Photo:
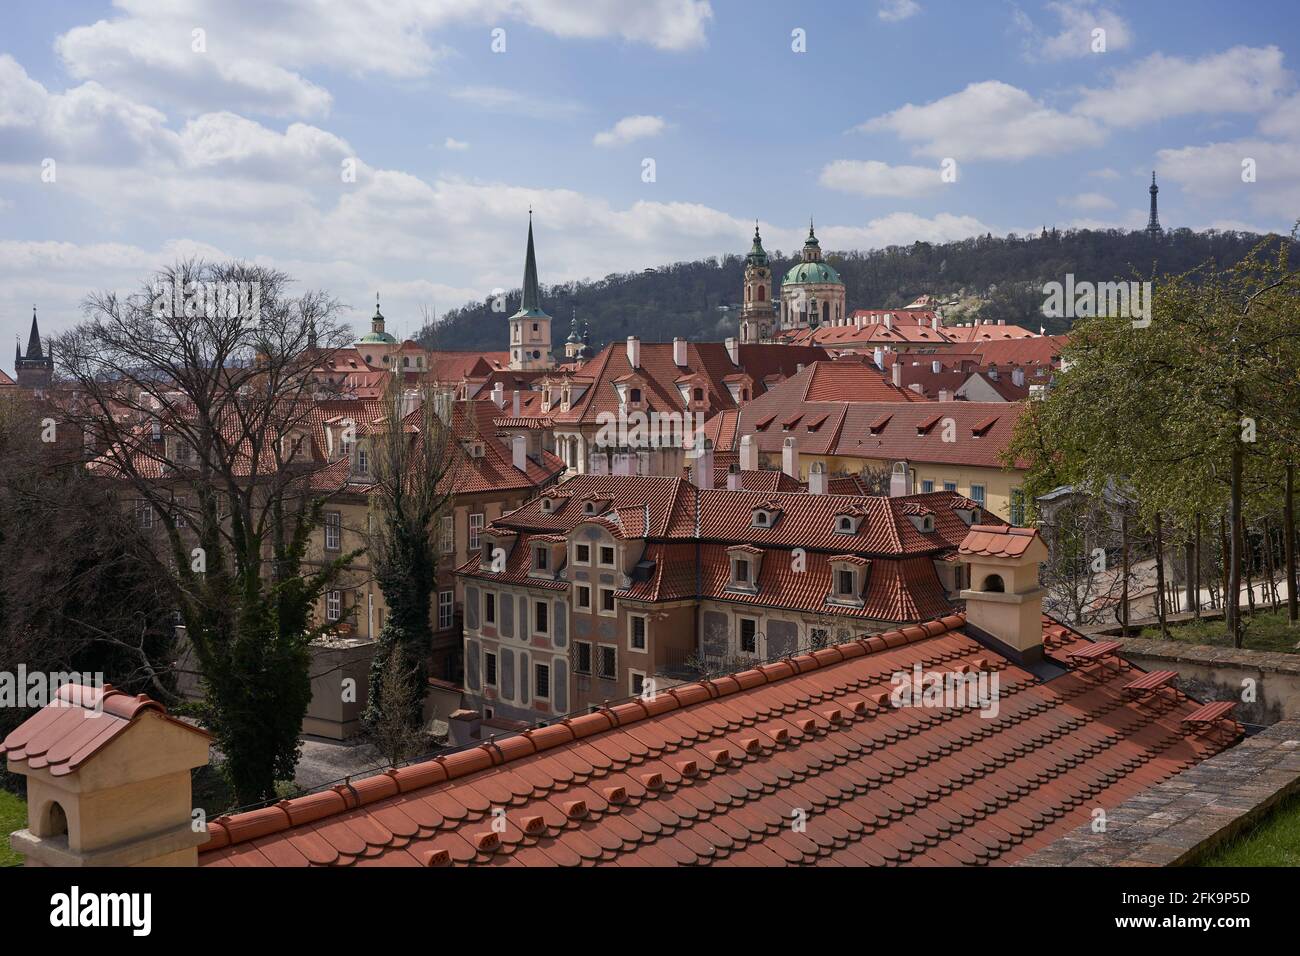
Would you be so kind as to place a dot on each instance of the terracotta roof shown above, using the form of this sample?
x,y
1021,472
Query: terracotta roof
x,y
999,542
64,735
1041,350
849,381
987,332
711,772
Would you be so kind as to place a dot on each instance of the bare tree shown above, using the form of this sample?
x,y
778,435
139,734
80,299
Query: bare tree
x,y
196,394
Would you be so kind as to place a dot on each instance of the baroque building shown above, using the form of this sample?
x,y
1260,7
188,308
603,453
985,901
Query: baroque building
x,y
812,293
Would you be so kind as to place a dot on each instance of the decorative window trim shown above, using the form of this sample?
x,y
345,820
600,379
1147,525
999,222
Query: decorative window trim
x,y
645,633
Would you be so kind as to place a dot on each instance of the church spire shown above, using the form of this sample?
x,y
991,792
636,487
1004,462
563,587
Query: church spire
x,y
530,327
1153,224
532,300
34,339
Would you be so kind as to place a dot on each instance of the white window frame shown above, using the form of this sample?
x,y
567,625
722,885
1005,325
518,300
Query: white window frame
x,y
333,605
446,609
577,597
632,675
631,633
144,514
982,497
600,554
447,534
927,486
333,523
740,638
600,608
476,524
578,560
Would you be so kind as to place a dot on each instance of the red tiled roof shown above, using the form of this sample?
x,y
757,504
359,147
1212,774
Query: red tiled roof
x,y
999,542
849,381
1039,350
64,735
987,332
711,772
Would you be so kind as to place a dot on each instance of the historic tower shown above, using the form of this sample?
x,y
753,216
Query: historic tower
x,y
758,315
1153,224
812,293
35,369
530,327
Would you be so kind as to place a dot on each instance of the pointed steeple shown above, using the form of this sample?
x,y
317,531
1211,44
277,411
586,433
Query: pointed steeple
x,y
757,255
812,249
532,299
1153,224
34,339
18,351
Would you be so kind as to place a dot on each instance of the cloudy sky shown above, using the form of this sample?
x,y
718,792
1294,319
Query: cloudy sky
x,y
398,144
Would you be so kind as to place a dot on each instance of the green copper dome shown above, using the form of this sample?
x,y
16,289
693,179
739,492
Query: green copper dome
x,y
812,272
377,338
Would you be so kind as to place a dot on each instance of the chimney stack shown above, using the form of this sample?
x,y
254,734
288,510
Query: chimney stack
x,y
898,480
499,395
945,395
936,366
634,351
515,400
679,352
1018,377
817,479
733,478
898,373
879,358
1004,599
704,466
519,450
790,457
733,351
748,453
934,321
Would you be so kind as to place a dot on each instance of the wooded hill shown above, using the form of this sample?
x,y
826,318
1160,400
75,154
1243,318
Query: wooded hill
x,y
1003,276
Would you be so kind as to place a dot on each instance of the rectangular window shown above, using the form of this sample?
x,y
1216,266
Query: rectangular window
x,y
144,515
636,636
475,528
489,607
844,582
448,536
637,683
542,681
740,571
363,462
1018,507
927,485
608,662
541,623
950,486
489,669
607,599
582,554
333,531
977,494
583,597
541,558
581,657
333,605
748,635
606,556
446,609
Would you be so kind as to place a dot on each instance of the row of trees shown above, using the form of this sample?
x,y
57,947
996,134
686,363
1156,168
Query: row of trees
x,y
1192,418
200,418
682,299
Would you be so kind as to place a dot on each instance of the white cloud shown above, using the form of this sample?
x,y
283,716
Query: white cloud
x,y
1239,80
496,99
455,144
988,120
1284,121
1216,170
629,129
872,178
1105,173
1089,202
892,11
1077,21
256,55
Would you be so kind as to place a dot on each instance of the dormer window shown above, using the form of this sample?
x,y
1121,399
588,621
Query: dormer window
x,y
761,519
846,524
844,583
541,558
765,516
745,564
363,462
634,396
740,572
848,580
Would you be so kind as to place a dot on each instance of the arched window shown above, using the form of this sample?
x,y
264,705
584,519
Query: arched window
x,y
53,820
994,583
762,293
826,313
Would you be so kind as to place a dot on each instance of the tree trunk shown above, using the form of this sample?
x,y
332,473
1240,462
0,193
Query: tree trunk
x,y
1247,557
1196,569
1288,545
1269,567
1234,525
1226,574
1160,579
1123,584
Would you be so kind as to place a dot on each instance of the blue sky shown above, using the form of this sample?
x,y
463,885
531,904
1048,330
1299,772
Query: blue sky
x,y
237,149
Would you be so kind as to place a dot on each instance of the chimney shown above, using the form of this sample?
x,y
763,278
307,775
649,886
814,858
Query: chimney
x,y
817,479
1018,377
410,400
790,457
704,466
889,320
633,351
733,351
1004,599
679,353
898,373
733,478
1002,321
936,366
499,395
748,453
126,801
519,450
993,372
934,321
515,395
879,358
945,395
